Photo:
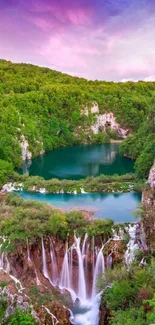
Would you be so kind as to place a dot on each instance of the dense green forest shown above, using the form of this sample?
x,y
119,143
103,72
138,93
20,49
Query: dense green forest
x,y
45,106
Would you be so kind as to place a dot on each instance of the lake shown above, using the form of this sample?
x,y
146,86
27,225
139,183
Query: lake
x,y
118,207
78,162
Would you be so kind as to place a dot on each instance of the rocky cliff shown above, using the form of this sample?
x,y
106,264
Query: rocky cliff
x,y
148,218
104,121
151,179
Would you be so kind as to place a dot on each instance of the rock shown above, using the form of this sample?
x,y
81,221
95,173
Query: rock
x,y
94,109
151,179
20,300
26,154
108,119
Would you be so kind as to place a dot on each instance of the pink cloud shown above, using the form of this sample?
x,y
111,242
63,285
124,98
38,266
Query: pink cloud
x,y
62,54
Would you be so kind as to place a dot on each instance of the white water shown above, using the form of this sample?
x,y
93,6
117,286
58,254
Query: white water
x,y
99,269
44,266
131,246
65,278
109,261
28,253
81,280
54,264
86,311
86,300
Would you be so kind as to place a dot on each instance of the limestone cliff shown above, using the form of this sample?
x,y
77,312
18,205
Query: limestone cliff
x,y
151,179
102,121
148,220
108,120
26,154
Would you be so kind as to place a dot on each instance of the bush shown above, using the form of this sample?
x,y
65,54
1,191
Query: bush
x,y
120,295
132,316
21,318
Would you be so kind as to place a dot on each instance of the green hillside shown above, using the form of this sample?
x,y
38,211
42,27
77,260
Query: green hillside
x,y
45,106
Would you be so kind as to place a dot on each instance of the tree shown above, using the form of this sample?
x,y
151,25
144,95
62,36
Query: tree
x,y
6,170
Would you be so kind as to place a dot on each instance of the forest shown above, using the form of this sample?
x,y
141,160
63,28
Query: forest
x,y
45,106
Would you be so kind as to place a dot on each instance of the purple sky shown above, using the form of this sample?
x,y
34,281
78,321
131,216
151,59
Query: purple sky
x,y
95,39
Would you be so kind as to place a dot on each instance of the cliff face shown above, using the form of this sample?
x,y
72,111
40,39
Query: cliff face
x,y
151,179
148,220
104,121
108,120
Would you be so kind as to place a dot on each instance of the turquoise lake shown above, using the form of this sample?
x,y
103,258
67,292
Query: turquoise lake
x,y
78,162
118,207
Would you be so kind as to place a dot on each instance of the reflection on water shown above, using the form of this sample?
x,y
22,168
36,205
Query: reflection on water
x,y
79,162
118,207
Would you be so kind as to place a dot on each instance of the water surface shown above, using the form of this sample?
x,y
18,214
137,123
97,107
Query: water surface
x,y
78,162
118,207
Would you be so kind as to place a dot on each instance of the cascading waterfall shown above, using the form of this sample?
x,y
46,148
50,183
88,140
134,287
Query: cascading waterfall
x,y
93,254
109,261
84,245
1,253
99,269
54,264
81,280
1,260
7,265
87,306
28,253
132,245
44,267
71,265
65,278
37,279
87,312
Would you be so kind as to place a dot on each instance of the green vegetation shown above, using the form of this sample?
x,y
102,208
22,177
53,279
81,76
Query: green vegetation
x,y
141,146
3,307
46,107
21,318
129,296
102,183
21,220
6,170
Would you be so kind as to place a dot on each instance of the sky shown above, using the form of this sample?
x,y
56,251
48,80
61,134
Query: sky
x,y
95,39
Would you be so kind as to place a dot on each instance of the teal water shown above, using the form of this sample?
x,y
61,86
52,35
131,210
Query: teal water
x,y
118,207
78,162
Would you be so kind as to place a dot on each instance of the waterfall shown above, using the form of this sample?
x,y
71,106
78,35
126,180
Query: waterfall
x,y
81,280
99,269
65,278
93,254
84,245
131,246
45,270
109,261
1,260
1,253
28,253
7,265
71,265
87,312
54,265
37,279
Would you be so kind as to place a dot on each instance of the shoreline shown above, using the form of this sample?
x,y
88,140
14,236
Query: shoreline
x,y
116,141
